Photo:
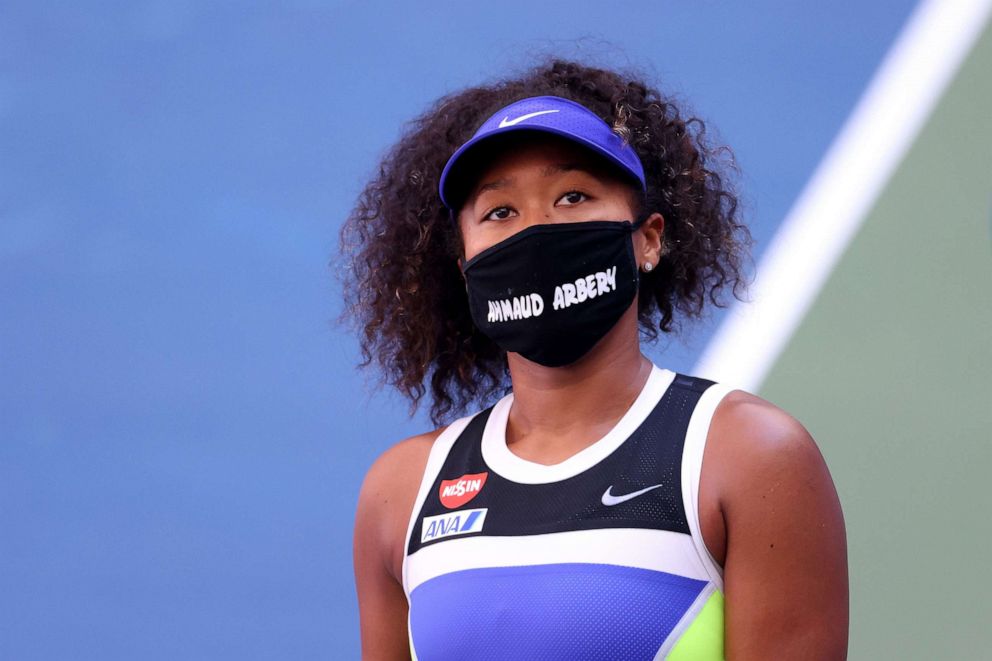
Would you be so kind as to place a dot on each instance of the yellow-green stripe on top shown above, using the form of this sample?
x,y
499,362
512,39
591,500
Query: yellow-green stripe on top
x,y
703,640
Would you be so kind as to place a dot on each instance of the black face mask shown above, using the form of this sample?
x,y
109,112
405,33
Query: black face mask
x,y
550,292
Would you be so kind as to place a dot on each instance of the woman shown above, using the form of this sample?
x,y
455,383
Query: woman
x,y
605,508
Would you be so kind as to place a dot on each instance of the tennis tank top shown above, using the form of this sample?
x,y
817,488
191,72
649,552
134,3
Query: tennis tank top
x,y
597,557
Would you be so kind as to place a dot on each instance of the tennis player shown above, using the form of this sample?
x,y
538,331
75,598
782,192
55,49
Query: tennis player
x,y
513,249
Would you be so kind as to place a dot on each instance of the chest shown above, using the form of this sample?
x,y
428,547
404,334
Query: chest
x,y
505,559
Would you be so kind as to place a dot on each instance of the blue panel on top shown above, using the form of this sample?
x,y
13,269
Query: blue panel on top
x,y
560,611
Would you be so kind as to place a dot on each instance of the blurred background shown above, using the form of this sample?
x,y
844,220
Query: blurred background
x,y
183,430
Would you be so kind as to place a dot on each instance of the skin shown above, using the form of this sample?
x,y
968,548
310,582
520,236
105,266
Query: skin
x,y
769,512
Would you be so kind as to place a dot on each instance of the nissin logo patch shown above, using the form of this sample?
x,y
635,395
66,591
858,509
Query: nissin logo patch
x,y
457,492
456,523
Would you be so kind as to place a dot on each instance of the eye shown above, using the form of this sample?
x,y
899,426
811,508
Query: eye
x,y
498,213
570,198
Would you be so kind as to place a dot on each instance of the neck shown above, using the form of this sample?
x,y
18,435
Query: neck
x,y
581,400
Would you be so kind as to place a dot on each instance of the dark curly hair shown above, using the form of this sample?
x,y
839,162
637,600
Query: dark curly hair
x,y
406,295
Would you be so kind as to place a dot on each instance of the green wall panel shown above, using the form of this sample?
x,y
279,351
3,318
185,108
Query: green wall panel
x,y
891,371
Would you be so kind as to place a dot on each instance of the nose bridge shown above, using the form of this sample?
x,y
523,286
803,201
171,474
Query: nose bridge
x,y
536,212
538,204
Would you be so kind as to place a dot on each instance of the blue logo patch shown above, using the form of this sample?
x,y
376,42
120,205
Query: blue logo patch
x,y
455,523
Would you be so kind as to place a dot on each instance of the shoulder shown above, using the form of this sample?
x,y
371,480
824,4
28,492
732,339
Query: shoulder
x,y
750,433
755,417
766,476
387,496
395,473
398,463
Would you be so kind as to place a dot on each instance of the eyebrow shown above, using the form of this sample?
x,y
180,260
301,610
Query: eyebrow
x,y
549,171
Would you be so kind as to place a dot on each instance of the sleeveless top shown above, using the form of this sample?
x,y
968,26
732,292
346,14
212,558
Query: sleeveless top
x,y
597,557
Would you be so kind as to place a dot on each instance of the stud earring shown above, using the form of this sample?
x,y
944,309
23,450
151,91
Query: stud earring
x,y
648,266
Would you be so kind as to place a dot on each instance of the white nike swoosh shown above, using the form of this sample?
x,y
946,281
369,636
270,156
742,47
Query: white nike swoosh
x,y
506,121
609,499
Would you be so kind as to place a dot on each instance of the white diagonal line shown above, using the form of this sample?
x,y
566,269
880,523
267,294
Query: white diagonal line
x,y
842,190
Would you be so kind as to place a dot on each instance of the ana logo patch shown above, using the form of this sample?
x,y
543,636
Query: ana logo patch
x,y
455,523
457,492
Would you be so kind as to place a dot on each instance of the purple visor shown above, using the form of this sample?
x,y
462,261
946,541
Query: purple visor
x,y
550,114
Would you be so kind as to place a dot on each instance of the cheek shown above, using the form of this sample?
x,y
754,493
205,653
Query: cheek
x,y
476,238
472,245
470,238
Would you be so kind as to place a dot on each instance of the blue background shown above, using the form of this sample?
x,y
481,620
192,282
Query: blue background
x,y
183,431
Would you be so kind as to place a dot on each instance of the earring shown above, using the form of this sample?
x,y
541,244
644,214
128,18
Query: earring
x,y
647,267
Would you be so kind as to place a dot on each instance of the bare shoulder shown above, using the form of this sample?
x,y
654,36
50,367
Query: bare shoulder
x,y
400,463
387,496
748,432
756,421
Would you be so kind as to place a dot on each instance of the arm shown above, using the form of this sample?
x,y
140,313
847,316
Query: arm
x,y
784,547
384,507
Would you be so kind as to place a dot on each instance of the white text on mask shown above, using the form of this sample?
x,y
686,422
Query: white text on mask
x,y
585,288
566,294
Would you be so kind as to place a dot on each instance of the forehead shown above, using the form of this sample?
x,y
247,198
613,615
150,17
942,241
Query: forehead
x,y
543,150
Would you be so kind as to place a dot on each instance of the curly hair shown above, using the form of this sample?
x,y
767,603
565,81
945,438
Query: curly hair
x,y
406,295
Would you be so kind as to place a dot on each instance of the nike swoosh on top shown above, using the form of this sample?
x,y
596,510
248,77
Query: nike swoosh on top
x,y
609,499
506,121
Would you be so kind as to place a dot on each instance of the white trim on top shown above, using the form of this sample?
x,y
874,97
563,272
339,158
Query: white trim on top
x,y
840,194
692,467
435,461
656,550
500,459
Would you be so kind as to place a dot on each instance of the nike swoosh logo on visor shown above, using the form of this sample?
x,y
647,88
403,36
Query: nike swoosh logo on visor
x,y
609,499
506,121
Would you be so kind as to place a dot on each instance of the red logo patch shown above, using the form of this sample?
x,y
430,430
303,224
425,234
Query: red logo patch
x,y
457,492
